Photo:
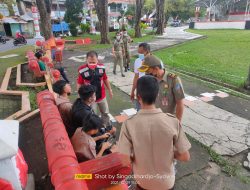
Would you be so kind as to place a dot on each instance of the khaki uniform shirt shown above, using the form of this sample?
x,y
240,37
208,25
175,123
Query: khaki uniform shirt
x,y
150,139
84,145
170,90
118,45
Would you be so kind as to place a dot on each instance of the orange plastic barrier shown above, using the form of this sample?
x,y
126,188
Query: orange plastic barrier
x,y
62,160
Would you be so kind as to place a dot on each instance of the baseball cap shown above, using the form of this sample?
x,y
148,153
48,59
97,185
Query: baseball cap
x,y
149,61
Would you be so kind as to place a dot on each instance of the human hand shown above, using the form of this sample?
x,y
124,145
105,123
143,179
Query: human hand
x,y
106,135
110,94
106,145
114,148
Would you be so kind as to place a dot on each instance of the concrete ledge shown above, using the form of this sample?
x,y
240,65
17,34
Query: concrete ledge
x,y
6,79
29,115
25,105
220,25
19,83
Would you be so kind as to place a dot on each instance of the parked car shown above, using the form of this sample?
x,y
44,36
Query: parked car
x,y
176,23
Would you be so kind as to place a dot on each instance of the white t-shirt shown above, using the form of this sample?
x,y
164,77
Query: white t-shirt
x,y
137,65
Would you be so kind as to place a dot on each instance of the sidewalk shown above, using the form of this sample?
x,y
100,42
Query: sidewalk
x,y
219,123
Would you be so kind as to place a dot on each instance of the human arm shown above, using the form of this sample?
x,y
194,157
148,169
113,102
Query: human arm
x,y
108,86
125,145
105,146
132,94
181,145
179,109
179,97
104,136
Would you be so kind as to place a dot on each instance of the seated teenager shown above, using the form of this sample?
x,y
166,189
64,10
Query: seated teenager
x,y
40,62
82,142
82,107
63,89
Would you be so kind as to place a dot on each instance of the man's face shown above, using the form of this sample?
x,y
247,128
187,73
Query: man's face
x,y
153,71
142,51
67,89
92,99
92,59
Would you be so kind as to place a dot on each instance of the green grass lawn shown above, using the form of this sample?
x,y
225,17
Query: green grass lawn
x,y
223,56
13,61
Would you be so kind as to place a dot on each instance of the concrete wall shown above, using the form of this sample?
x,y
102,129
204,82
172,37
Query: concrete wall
x,y
220,25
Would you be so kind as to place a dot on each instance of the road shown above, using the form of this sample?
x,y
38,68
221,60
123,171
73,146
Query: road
x,y
9,45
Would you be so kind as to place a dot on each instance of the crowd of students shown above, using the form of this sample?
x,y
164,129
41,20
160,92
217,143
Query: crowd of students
x,y
152,139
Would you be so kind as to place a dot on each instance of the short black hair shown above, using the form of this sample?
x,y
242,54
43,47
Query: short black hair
x,y
145,46
58,86
91,54
92,122
148,89
86,91
38,54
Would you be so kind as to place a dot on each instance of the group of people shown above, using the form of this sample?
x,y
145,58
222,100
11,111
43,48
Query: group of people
x,y
153,138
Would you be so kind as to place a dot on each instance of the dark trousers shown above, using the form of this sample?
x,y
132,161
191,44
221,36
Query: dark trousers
x,y
63,74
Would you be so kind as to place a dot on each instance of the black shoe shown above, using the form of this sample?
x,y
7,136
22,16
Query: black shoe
x,y
126,69
123,75
114,72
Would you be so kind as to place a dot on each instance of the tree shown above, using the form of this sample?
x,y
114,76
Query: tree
x,y
74,8
209,4
44,7
247,83
160,16
138,15
101,7
9,4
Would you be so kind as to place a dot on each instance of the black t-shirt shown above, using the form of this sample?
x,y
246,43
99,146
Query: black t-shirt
x,y
79,111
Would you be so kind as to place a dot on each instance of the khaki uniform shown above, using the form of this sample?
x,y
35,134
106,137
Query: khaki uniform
x,y
126,41
170,90
150,138
118,49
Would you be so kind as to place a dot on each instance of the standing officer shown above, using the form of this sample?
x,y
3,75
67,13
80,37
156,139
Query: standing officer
x,y
118,53
126,41
171,93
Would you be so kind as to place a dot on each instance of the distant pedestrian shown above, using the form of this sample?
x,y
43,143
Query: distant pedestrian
x,y
152,139
126,42
118,53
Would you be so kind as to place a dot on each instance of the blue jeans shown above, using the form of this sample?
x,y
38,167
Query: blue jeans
x,y
137,105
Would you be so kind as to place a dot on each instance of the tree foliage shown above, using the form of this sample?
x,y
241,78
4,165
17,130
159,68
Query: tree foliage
x,y
9,4
74,8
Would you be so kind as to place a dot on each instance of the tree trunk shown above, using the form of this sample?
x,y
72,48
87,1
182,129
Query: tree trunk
x,y
44,7
138,15
101,7
160,16
247,83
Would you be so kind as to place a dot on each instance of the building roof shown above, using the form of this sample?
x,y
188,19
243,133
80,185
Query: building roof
x,y
26,17
13,21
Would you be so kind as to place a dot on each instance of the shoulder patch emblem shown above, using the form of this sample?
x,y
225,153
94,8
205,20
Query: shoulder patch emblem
x,y
172,75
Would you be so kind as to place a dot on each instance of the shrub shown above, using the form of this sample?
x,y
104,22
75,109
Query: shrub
x,y
72,29
85,28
